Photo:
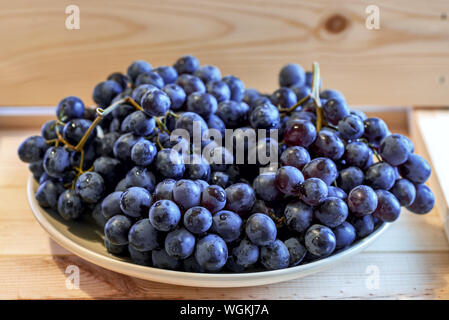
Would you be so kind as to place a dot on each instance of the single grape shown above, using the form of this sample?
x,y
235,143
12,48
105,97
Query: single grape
x,y
186,64
375,130
261,229
169,164
110,169
332,94
190,84
275,256
395,149
120,78
246,253
332,212
364,226
193,123
123,146
234,114
362,200
416,169
203,104
221,179
156,103
117,228
283,98
162,260
187,194
197,220
351,127
380,176
335,110
140,177
139,123
320,240
90,187
168,73
292,74
143,236
265,187
424,200
358,154
198,168
298,216
250,96
211,252
313,191
164,189
322,168
164,215
142,258
327,144
227,225
179,243
388,207
240,198
110,206
295,156
137,94
208,73
32,149
70,108
350,178
48,193
300,133
135,201
404,191
336,192
219,89
138,67
236,86
105,91
150,77
345,235
265,116
213,198
176,94
296,251
214,122
98,217
288,180
143,153
115,249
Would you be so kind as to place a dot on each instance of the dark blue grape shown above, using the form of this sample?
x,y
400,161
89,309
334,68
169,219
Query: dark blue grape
x,y
186,64
299,133
261,229
250,96
380,176
198,220
141,177
70,205
320,240
150,78
364,226
48,130
164,215
104,144
213,198
143,153
32,149
189,121
332,94
168,74
120,78
156,103
350,178
137,95
117,228
139,123
394,149
358,154
37,169
335,110
227,224
388,207
75,129
240,198
121,185
138,67
198,168
220,178
179,243
201,184
288,180
362,200
322,168
208,73
236,86
135,201
416,169
164,189
328,144
90,187
214,122
375,130
265,187
176,94
336,192
301,91
359,114
351,127
56,162
298,216
292,75
123,146
190,265
70,108
203,104
296,251
142,258
114,249
345,235
424,200
162,260
275,256
48,193
219,90
265,116
110,206
191,84
245,254
295,156
170,164
283,98
332,212
105,91
211,252
404,191
313,191
187,194
110,169
98,217
233,113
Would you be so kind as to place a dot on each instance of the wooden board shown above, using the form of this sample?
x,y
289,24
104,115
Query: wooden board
x,y
405,62
412,259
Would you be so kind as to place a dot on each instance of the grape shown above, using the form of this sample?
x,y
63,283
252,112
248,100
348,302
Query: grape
x,y
404,191
275,256
388,207
288,180
140,177
211,252
351,127
105,144
362,200
179,243
143,236
48,193
332,94
190,265
336,192
110,169
395,149
176,94
201,184
114,249
156,103
98,217
90,187
350,178
188,121
364,226
48,130
298,216
162,260
123,146
220,178
105,91
380,176
332,212
236,86
292,75
246,253
169,164
327,144
416,169
143,153
70,108
139,123
37,169
335,110
56,162
186,64
32,149
164,189
137,94
322,168
219,90
208,73
358,154
213,198
110,206
296,250
227,225
135,201
300,91
164,215
313,191
116,230
295,156
191,84
261,229
265,116
240,198
284,98
345,235
187,194
138,67
375,130
203,104
142,258
198,168
424,200
197,220
265,187
300,133
250,96
120,78
320,240
232,113
121,185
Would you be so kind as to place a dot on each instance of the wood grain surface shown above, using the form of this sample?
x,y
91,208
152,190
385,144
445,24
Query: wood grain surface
x,y
412,259
405,62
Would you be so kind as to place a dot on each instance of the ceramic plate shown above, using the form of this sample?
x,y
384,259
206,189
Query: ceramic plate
x,y
86,241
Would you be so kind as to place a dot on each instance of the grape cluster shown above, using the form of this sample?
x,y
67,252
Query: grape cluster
x,y
338,177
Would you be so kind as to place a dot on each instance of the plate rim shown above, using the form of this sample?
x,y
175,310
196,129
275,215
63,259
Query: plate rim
x,y
216,280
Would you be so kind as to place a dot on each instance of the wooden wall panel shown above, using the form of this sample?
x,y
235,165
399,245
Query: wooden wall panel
x,y
406,62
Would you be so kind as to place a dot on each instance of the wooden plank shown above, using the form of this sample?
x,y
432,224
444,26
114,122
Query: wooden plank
x,y
405,62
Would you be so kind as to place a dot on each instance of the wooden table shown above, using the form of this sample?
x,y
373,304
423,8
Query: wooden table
x,y
411,259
